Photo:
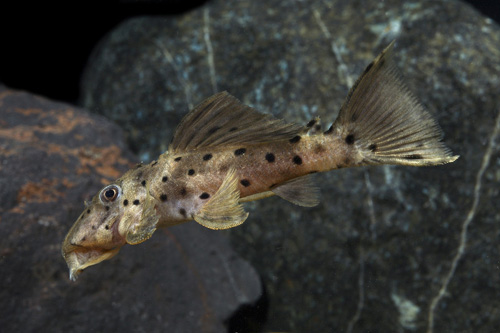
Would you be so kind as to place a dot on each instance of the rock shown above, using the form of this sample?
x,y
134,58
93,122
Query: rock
x,y
389,248
54,156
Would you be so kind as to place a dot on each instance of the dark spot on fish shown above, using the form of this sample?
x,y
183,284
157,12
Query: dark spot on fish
x,y
349,139
204,195
224,168
233,129
319,149
191,172
245,182
107,207
239,152
295,139
136,202
213,130
177,159
143,183
330,130
183,191
207,157
164,179
270,157
372,147
154,163
88,211
106,227
368,68
94,227
297,160
414,157
317,127
182,211
125,202
311,123
163,197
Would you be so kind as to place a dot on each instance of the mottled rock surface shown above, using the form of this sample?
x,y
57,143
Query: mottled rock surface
x,y
389,249
53,156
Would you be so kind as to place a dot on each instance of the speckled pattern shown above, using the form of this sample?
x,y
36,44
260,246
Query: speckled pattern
x,y
52,157
390,248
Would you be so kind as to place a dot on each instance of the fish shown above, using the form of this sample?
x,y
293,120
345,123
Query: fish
x,y
224,153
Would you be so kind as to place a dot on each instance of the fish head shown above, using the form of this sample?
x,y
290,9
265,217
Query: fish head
x,y
100,231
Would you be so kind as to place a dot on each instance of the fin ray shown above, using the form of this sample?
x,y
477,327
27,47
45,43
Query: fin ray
x,y
299,191
223,210
388,123
257,196
142,230
223,119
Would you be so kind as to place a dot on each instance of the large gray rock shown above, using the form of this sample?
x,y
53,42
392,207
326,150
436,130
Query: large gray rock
x,y
53,156
390,248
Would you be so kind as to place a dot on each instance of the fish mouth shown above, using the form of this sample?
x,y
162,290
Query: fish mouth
x,y
80,253
78,258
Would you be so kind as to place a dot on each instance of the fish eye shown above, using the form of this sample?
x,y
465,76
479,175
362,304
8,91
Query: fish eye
x,y
110,193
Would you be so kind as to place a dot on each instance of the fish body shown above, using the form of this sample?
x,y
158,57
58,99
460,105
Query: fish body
x,y
225,153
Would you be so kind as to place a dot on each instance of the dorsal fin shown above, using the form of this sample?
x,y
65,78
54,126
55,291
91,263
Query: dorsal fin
x,y
299,191
223,119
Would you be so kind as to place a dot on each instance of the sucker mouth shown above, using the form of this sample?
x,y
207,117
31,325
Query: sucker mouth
x,y
80,258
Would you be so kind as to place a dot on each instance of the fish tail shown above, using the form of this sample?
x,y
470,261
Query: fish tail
x,y
383,123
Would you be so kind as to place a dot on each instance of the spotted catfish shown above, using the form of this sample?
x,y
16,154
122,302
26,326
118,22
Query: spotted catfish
x,y
225,153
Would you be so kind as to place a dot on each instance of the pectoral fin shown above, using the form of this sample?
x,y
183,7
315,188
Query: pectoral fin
x,y
144,229
299,191
223,210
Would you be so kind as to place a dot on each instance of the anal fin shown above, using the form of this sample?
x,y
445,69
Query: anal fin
x,y
223,210
299,191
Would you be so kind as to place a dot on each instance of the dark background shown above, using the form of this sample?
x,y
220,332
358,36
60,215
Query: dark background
x,y
44,49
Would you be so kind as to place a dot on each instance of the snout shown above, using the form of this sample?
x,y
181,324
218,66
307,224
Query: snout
x,y
78,258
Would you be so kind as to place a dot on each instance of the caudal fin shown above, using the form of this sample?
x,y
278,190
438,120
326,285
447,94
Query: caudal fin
x,y
385,121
